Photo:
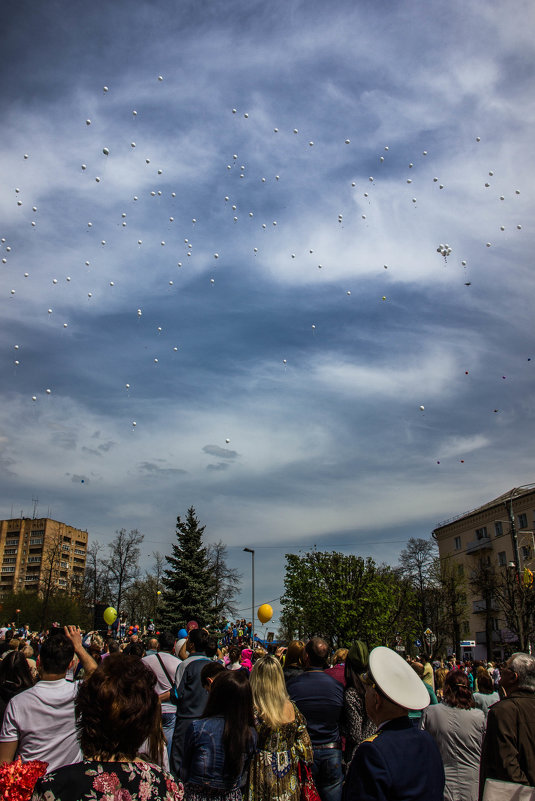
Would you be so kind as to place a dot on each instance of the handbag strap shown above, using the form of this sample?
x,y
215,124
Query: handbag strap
x,y
160,660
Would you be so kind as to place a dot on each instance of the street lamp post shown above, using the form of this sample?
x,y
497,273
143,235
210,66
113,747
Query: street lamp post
x,y
250,550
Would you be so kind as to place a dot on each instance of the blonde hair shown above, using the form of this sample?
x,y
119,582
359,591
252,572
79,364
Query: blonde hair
x,y
269,690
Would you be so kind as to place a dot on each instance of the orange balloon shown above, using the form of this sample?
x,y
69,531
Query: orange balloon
x,y
265,613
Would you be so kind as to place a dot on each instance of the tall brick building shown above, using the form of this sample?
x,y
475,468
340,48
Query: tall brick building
x,y
40,553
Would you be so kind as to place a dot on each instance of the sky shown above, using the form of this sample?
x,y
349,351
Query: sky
x,y
220,284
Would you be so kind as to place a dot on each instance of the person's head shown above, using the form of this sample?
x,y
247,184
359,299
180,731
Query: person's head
x,y
440,675
391,687
14,669
134,637
152,644
316,653
113,646
339,656
269,690
294,654
356,663
57,653
197,642
166,641
232,699
457,690
97,642
116,707
234,655
209,672
418,669
485,684
211,646
137,649
518,673
15,643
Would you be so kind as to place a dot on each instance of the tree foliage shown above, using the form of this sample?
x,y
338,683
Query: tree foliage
x,y
190,590
344,598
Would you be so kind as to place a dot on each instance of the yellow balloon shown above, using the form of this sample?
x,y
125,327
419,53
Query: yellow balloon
x,y
265,613
110,615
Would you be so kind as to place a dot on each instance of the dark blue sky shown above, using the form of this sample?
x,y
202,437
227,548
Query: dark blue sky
x,y
309,344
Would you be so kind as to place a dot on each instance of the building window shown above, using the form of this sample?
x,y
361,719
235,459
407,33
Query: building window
x,y
10,551
526,553
501,559
65,547
12,542
457,543
522,520
465,628
37,533
460,571
34,559
8,570
498,528
10,560
36,541
79,551
481,533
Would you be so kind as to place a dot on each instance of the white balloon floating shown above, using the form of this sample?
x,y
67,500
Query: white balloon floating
x,y
227,440
422,408
84,167
132,144
160,77
88,122
48,391
104,88
106,151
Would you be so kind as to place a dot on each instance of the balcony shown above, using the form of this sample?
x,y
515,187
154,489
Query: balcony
x,y
479,545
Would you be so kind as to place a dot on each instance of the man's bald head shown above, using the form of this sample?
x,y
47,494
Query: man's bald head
x,y
317,651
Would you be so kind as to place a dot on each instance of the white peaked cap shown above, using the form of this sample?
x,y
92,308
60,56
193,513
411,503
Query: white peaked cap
x,y
397,680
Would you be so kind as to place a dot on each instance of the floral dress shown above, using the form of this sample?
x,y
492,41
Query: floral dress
x,y
273,771
108,781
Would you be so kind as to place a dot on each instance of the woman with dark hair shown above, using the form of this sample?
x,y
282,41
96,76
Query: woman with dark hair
x,y
15,676
116,710
355,725
220,745
283,739
458,728
486,695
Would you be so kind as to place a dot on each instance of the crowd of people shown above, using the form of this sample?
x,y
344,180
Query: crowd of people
x,y
206,719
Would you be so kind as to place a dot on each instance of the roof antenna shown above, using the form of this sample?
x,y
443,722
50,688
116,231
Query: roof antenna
x,y
35,501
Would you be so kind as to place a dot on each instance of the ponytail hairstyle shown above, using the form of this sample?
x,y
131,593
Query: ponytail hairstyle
x,y
457,690
232,699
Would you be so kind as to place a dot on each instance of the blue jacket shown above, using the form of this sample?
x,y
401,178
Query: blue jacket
x,y
399,763
204,757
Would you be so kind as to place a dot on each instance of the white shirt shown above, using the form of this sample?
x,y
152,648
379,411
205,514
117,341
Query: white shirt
x,y
42,720
162,682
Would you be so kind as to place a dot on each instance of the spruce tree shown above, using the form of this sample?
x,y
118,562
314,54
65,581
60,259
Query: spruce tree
x,y
189,583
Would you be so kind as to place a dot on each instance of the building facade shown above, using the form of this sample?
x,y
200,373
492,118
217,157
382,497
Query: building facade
x,y
41,556
495,540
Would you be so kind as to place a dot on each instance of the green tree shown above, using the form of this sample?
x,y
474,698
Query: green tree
x,y
189,587
344,598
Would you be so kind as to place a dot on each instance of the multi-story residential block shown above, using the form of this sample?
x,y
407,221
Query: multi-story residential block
x,y
40,555
499,534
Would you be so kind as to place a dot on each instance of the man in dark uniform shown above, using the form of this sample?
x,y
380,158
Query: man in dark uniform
x,y
399,763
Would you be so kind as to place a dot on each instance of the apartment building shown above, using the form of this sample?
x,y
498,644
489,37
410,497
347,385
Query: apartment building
x,y
499,533
40,553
